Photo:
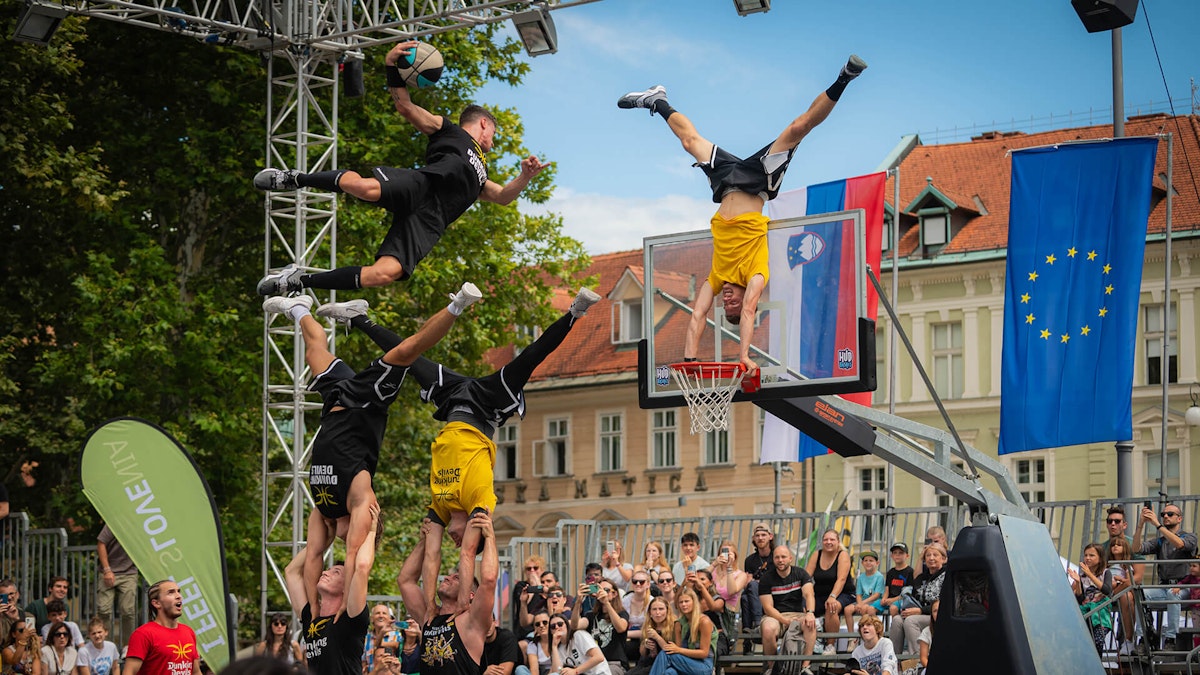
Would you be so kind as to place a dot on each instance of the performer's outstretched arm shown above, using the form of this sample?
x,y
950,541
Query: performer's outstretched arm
x,y
425,121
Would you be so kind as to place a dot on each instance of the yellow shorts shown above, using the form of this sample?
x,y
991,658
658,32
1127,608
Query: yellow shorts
x,y
462,471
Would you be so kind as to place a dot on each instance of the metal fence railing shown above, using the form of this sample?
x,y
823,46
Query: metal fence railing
x,y
33,556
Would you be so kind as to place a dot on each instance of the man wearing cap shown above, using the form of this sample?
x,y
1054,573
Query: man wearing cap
x,y
897,578
762,542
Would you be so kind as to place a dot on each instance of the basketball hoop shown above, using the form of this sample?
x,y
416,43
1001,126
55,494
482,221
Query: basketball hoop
x,y
708,388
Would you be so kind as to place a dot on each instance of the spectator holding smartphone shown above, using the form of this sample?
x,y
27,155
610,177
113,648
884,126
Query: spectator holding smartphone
x,y
616,571
691,561
22,648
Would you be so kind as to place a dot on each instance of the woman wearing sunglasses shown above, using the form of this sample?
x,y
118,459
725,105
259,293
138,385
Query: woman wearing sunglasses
x,y
538,650
59,656
636,602
278,642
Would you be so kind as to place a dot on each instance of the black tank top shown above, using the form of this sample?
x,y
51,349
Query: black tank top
x,y
825,578
443,651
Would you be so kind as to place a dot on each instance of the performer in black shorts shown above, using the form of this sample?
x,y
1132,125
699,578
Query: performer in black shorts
x,y
742,187
423,202
353,420
333,647
464,454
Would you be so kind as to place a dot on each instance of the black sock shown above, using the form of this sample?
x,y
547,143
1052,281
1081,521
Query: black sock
x,y
381,336
322,180
835,90
662,108
341,279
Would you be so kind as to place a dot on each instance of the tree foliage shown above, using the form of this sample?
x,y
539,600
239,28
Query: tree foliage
x,y
132,239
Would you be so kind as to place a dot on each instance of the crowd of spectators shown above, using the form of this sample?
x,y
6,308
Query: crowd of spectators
x,y
657,615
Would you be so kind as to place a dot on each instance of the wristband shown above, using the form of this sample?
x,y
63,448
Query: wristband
x,y
394,79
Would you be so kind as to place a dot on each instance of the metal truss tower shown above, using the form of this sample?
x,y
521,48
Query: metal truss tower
x,y
305,41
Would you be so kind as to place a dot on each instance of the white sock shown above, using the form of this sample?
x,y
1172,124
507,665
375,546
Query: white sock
x,y
298,312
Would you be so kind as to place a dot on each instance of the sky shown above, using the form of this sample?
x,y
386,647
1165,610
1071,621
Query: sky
x,y
943,69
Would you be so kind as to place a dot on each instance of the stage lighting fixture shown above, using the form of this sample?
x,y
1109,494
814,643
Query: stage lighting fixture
x,y
536,29
1102,15
745,7
37,22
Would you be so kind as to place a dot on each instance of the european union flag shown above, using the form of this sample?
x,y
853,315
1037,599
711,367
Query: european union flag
x,y
1076,238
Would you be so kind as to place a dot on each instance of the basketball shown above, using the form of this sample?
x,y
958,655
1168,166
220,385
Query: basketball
x,y
422,66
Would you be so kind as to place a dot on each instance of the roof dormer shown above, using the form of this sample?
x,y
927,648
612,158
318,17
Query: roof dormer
x,y
941,215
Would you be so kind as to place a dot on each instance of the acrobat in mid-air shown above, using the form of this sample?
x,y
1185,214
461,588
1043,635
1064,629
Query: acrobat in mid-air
x,y
423,201
742,187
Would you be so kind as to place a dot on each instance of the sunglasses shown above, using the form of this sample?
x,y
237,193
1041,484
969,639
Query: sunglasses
x,y
1114,521
279,622
540,623
639,582
558,624
558,594
665,581
61,635
530,568
1164,514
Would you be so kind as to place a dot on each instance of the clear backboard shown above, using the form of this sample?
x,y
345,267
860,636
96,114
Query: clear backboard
x,y
812,336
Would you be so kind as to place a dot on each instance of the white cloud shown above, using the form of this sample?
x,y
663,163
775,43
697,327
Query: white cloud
x,y
606,224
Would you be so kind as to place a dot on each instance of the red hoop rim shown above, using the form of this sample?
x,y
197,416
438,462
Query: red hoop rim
x,y
710,368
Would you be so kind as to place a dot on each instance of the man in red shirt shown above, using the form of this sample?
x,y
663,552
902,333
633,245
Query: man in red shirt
x,y
163,646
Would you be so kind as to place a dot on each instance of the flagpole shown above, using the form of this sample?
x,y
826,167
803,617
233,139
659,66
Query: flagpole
x,y
891,393
1165,367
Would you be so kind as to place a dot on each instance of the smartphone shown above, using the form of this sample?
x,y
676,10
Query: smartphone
x,y
692,567
1146,505
537,589
610,546
402,625
593,588
3,598
726,551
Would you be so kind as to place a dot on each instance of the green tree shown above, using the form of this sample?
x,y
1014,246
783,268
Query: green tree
x,y
132,240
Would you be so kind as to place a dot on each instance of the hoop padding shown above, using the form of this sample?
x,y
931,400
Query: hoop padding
x,y
708,388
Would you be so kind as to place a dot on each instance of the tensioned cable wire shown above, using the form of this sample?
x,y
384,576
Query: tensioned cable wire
x,y
1170,102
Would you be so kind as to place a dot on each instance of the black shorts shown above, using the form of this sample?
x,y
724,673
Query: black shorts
x,y
349,439
417,219
727,171
375,386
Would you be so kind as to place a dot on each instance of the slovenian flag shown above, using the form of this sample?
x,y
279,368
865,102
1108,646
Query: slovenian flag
x,y
813,273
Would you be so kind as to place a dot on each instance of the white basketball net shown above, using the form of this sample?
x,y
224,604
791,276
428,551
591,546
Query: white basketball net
x,y
709,392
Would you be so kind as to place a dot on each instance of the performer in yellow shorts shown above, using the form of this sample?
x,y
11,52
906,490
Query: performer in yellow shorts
x,y
741,187
461,475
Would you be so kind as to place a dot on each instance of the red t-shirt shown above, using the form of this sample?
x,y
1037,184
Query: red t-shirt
x,y
164,651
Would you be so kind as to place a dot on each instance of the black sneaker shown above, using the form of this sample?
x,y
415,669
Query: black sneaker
x,y
283,282
274,180
1168,645
853,68
643,99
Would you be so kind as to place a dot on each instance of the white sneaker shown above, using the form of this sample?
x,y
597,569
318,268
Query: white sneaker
x,y
643,99
278,304
586,298
466,297
1126,648
283,282
342,312
830,649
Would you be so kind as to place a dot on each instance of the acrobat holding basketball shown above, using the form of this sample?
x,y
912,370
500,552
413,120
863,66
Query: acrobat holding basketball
x,y
742,187
423,202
